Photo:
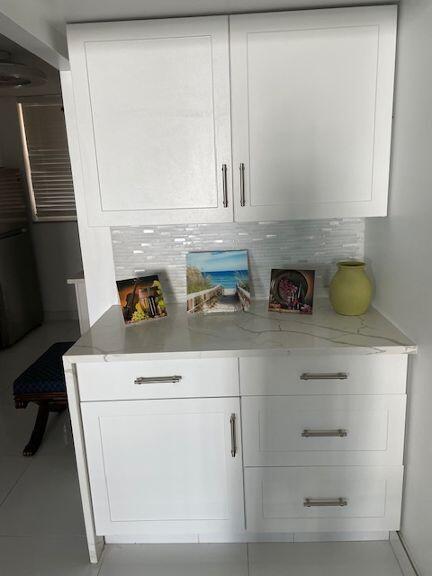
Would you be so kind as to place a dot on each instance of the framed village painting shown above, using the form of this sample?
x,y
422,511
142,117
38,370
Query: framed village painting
x,y
217,281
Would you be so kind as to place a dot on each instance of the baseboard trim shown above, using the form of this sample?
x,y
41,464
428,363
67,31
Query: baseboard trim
x,y
341,536
246,538
152,539
402,556
239,538
249,537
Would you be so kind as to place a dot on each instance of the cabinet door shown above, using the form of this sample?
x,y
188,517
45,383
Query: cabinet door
x,y
153,107
165,466
312,95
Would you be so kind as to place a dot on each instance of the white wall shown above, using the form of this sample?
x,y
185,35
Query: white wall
x,y
58,258
56,244
400,250
96,247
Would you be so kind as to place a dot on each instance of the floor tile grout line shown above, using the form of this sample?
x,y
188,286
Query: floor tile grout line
x,y
14,485
102,559
101,562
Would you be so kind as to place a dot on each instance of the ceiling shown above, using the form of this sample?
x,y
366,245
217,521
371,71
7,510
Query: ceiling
x,y
60,12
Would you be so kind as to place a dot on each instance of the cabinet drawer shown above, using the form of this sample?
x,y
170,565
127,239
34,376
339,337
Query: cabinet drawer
x,y
160,379
281,375
323,498
323,430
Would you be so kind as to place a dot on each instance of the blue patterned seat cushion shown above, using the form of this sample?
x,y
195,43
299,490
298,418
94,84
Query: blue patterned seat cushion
x,y
46,374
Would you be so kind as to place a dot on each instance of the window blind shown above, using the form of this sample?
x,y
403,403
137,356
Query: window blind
x,y
47,159
12,199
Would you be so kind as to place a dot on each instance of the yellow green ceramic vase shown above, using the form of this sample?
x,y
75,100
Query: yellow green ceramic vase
x,y
350,289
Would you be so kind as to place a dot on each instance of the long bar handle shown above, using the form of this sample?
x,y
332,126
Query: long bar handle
x,y
157,380
325,502
233,435
224,185
324,376
242,185
339,433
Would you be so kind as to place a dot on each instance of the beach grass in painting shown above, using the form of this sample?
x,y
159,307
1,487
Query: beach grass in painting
x,y
217,281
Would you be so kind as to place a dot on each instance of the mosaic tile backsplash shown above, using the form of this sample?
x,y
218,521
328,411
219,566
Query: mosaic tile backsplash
x,y
315,244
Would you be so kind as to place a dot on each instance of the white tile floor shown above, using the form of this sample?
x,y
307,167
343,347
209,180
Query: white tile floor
x,y
41,525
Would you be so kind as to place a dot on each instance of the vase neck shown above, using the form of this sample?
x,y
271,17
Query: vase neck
x,y
351,266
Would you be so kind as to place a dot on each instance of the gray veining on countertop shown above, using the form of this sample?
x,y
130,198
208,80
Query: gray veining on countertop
x,y
257,332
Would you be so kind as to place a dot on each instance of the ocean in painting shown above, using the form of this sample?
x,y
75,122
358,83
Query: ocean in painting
x,y
227,278
217,281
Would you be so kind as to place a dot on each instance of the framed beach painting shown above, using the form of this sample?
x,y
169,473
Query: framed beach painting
x,y
217,281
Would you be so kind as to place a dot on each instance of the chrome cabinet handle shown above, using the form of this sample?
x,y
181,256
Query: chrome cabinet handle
x,y
339,433
233,435
242,185
224,186
324,502
324,376
157,380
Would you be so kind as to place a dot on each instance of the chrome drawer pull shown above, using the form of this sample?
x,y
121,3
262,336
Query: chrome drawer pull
x,y
339,433
233,435
324,502
157,380
324,376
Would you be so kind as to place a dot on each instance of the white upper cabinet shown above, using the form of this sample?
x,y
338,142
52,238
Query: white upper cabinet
x,y
310,94
312,98
153,111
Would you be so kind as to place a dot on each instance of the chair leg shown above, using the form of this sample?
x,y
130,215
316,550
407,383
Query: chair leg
x,y
38,430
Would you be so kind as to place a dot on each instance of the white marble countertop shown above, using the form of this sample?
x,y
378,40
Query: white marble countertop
x,y
257,332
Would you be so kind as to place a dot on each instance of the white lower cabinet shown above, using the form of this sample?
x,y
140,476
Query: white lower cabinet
x,y
181,449
165,466
323,498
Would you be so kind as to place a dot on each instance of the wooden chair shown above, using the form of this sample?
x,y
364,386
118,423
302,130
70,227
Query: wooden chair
x,y
44,384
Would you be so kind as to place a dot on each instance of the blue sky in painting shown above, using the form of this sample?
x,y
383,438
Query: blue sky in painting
x,y
218,261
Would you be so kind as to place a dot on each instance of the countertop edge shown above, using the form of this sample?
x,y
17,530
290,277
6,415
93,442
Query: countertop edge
x,y
198,355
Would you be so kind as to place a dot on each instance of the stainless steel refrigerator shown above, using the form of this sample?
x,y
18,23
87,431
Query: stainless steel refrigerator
x,y
20,299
